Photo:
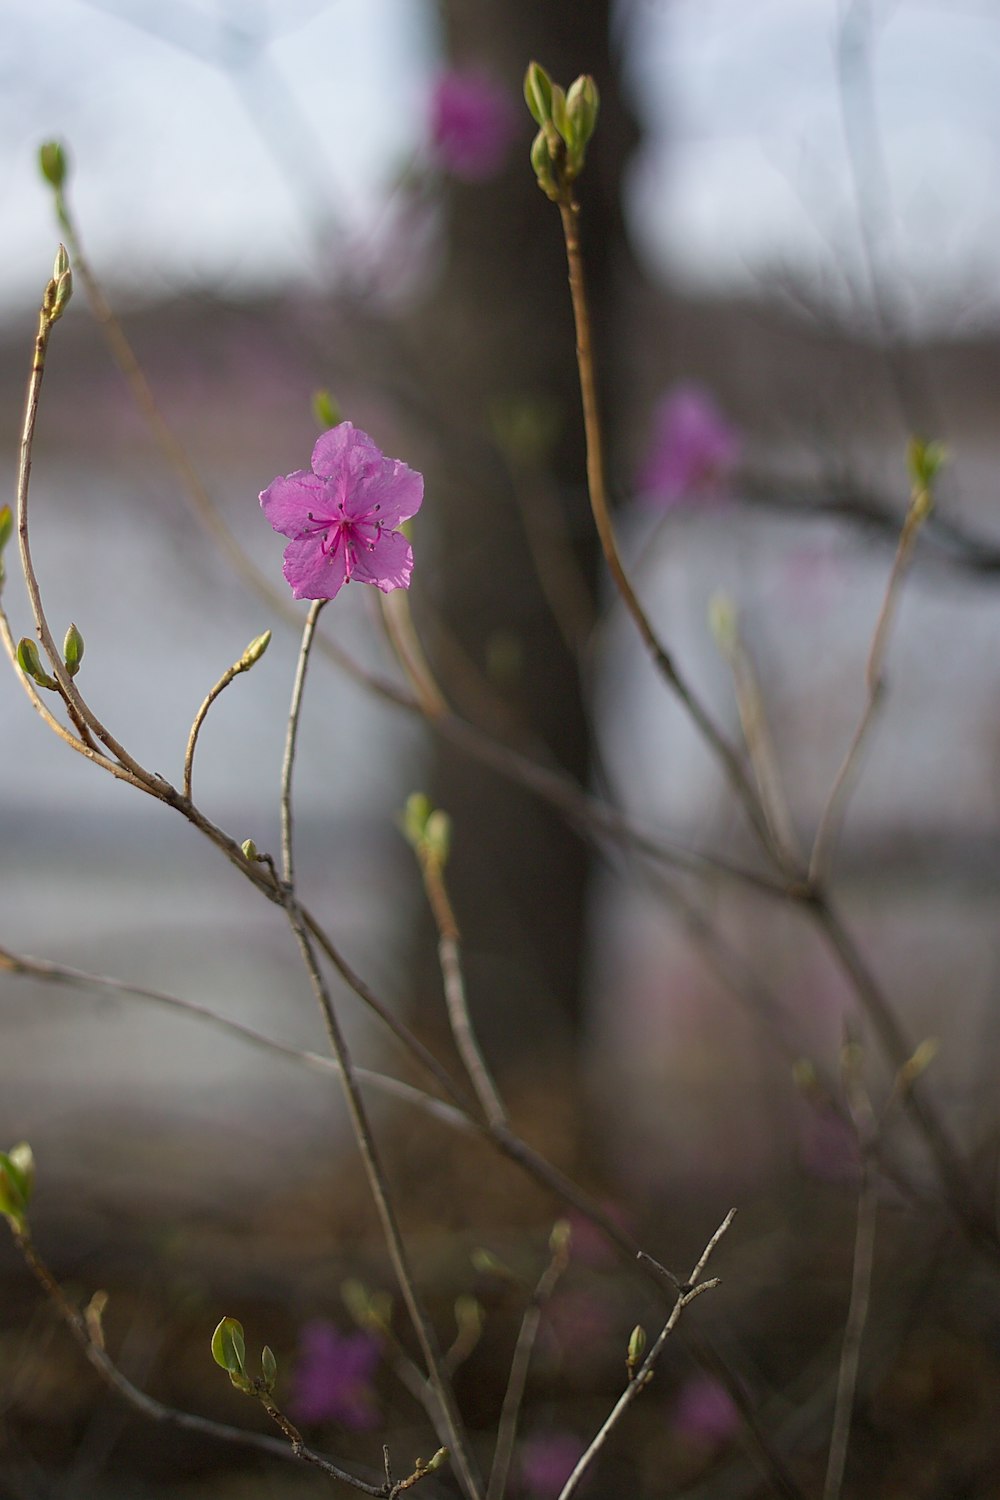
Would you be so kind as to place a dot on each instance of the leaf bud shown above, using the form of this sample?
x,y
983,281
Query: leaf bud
x,y
6,525
254,651
544,167
229,1351
73,650
30,663
636,1349
249,849
269,1367
582,103
53,163
538,93
326,410
17,1181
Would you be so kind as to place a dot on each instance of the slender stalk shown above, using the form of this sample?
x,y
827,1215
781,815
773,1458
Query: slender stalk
x,y
518,1377
874,686
287,859
397,620
687,1294
252,654
760,745
450,959
861,1283
445,1405
959,1191
726,754
75,703
318,1062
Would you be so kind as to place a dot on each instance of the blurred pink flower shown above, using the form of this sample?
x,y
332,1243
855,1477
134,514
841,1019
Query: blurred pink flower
x,y
705,1413
693,450
333,1377
545,1462
342,517
473,123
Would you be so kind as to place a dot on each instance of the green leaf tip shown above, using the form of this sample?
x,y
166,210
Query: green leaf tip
x,y
53,163
17,1182
230,1352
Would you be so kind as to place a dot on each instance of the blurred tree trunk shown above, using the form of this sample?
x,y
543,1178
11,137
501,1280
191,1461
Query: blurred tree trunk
x,y
499,326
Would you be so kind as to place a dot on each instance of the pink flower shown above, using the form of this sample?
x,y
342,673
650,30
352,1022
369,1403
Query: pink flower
x,y
545,1462
333,1377
693,449
342,517
705,1413
473,122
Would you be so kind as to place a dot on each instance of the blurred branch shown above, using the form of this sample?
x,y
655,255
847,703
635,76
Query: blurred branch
x,y
85,1335
693,1287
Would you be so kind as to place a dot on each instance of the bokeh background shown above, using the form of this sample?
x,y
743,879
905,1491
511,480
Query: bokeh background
x,y
790,216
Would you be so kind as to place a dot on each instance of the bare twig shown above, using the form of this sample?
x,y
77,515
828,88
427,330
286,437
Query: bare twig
x,y
725,753
861,1283
318,1062
693,1288
523,1350
450,959
920,506
445,1406
252,654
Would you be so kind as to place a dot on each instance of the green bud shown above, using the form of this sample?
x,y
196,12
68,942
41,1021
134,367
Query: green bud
x,y
722,622
17,1181
30,663
73,650
249,850
487,1264
582,103
636,1349
437,836
544,167
60,289
53,163
559,117
269,1367
538,93
919,1062
326,410
441,1457
6,525
254,651
469,1315
229,1350
561,1237
414,818
925,460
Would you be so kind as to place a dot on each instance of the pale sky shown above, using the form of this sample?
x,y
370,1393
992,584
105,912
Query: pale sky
x,y
197,152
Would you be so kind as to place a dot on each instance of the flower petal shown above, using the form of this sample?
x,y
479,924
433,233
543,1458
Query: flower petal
x,y
288,500
388,565
312,573
394,491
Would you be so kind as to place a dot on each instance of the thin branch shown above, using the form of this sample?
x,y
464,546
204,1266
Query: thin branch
x,y
450,959
692,1289
759,743
147,1405
861,1283
287,856
75,702
959,1190
517,1380
318,1062
451,1423
252,654
919,509
597,486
